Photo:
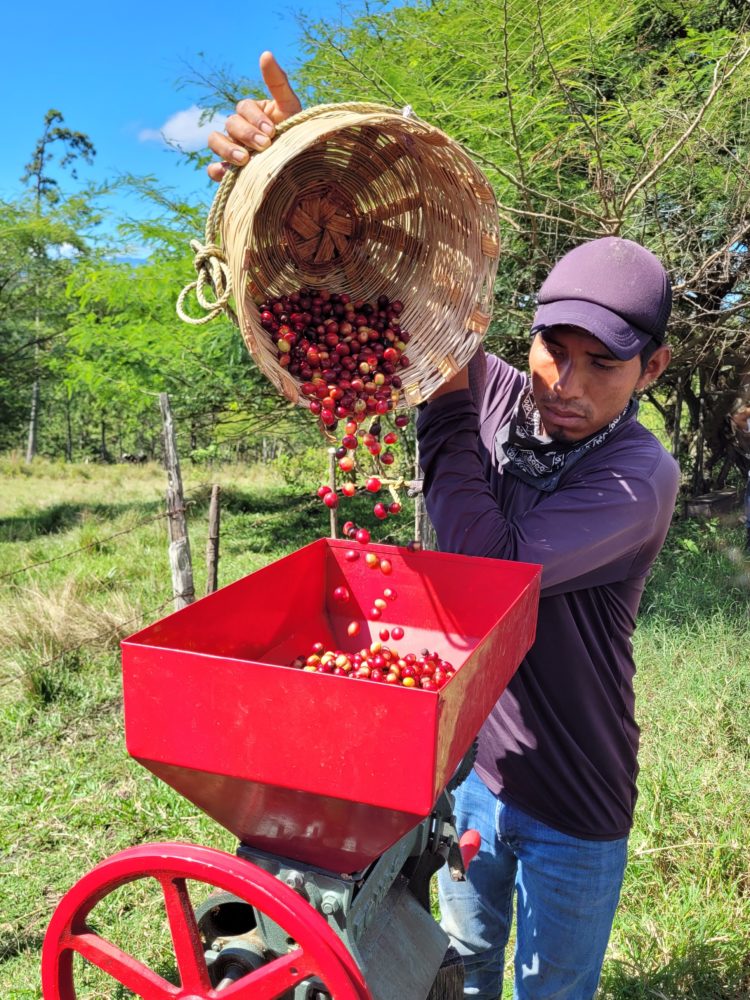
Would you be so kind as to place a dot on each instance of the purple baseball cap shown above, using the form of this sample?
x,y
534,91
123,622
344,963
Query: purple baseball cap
x,y
612,288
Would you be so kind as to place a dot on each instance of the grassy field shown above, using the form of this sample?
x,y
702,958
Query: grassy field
x,y
71,796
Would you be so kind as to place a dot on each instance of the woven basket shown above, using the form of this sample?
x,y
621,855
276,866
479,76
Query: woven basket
x,y
363,199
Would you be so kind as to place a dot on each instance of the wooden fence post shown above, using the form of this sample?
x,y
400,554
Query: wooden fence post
x,y
212,545
332,484
424,533
179,543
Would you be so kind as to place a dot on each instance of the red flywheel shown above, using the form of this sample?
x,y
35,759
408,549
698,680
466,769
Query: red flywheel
x,y
319,952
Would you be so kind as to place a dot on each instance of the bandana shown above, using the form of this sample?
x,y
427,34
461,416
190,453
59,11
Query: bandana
x,y
524,450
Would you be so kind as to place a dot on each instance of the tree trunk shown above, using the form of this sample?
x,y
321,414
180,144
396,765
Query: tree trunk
x,y
698,481
212,545
33,423
179,544
677,421
68,433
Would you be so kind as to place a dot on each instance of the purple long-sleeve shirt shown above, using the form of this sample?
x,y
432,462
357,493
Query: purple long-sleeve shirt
x,y
562,741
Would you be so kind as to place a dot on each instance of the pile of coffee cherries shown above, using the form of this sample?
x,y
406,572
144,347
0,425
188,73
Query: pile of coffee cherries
x,y
378,662
347,355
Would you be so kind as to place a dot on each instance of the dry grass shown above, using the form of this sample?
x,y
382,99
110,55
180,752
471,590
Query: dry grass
x,y
46,633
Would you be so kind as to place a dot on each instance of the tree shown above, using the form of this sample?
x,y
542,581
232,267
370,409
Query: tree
x,y
37,257
46,193
127,345
589,119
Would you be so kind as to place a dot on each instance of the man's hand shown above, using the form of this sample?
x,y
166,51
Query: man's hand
x,y
254,124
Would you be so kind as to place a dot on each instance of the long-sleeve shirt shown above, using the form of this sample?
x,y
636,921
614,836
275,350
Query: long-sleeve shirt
x,y
562,740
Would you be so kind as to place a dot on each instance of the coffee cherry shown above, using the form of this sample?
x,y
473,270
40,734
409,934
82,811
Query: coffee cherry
x,y
331,500
372,485
362,536
397,633
353,628
341,594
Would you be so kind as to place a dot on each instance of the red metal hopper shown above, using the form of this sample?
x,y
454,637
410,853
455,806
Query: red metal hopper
x,y
327,770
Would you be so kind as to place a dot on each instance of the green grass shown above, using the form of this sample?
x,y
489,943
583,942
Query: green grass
x,y
71,796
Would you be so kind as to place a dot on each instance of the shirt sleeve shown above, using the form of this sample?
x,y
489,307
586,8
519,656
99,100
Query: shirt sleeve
x,y
599,526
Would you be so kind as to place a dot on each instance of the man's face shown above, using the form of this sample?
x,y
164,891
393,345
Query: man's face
x,y
579,385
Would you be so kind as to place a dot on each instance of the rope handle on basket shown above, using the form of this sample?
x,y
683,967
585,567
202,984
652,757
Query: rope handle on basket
x,y
209,259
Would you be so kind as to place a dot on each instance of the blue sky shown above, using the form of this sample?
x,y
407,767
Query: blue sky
x,y
111,69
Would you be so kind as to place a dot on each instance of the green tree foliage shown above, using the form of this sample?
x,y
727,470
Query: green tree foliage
x,y
41,271
38,253
589,119
55,134
127,345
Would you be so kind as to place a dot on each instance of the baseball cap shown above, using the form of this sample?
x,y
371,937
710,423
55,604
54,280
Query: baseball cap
x,y
613,288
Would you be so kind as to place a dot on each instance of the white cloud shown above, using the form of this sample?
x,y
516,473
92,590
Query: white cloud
x,y
184,129
65,251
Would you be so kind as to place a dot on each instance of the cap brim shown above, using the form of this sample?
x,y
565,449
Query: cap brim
x,y
618,336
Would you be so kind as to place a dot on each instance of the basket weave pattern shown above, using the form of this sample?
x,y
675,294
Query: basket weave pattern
x,y
364,200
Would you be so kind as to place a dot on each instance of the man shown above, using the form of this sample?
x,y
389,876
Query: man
x,y
555,469
552,469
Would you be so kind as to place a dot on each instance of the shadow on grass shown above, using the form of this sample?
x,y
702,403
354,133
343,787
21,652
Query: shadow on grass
x,y
263,523
59,517
287,518
704,972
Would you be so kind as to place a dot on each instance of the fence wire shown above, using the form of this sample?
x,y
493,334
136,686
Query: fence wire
x,y
97,541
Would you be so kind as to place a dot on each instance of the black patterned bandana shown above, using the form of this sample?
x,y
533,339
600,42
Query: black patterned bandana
x,y
523,449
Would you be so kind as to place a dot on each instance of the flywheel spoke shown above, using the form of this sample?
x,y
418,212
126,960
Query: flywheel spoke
x,y
188,947
123,967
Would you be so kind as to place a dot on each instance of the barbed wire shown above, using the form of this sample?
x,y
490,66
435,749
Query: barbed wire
x,y
82,548
101,541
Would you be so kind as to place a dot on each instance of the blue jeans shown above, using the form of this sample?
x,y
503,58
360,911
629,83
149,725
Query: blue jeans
x,y
567,893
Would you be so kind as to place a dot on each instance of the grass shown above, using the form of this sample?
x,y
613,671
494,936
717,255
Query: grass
x,y
71,796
